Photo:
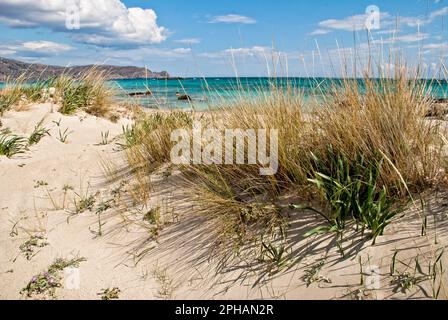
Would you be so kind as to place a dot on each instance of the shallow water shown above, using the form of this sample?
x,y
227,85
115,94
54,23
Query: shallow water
x,y
210,92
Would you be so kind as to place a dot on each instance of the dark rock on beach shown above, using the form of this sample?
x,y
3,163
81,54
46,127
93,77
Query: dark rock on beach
x,y
184,97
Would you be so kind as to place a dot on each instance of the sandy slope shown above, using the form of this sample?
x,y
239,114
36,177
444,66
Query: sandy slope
x,y
179,264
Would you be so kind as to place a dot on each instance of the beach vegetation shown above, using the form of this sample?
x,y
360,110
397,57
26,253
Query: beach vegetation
x,y
11,144
38,133
44,284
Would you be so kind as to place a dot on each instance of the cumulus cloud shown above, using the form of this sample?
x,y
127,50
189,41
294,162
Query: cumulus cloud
x,y
34,48
102,22
233,18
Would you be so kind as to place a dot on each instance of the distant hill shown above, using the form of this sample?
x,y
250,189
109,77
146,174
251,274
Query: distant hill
x,y
13,68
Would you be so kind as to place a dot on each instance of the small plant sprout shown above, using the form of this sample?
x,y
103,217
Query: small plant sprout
x,y
34,242
110,293
274,255
101,208
84,203
40,183
312,275
58,123
38,133
167,287
63,135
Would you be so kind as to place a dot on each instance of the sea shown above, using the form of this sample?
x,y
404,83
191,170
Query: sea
x,y
206,93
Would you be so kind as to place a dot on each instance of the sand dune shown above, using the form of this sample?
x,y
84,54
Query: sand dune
x,y
179,265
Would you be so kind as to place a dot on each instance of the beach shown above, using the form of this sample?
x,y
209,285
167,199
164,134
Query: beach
x,y
41,197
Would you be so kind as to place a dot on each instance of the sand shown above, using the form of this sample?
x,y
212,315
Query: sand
x,y
179,265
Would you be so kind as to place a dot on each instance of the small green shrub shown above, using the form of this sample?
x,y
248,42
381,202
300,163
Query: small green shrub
x,y
38,133
352,192
11,145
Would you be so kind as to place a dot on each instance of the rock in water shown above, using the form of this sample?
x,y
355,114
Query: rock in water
x,y
184,97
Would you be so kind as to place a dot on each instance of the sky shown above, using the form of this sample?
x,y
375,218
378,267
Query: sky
x,y
226,37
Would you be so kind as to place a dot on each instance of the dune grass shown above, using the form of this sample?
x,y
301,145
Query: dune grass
x,y
10,94
87,92
362,150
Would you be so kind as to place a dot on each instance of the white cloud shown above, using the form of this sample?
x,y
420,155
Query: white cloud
x,y
140,54
45,46
233,18
357,22
188,41
256,51
404,38
102,22
319,32
436,46
34,48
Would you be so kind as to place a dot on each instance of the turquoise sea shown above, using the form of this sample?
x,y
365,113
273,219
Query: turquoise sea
x,y
210,92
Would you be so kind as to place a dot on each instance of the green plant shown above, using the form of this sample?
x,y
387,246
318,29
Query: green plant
x,y
40,183
34,92
152,216
10,95
406,280
38,133
46,283
129,136
312,274
101,208
63,136
352,191
110,293
29,246
87,92
274,255
11,145
84,203
167,287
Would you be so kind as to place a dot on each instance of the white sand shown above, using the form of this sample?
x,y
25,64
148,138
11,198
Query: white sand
x,y
178,265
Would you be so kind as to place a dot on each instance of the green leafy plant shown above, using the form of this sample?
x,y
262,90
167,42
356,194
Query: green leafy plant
x,y
28,247
46,283
85,203
352,191
312,275
63,135
274,255
38,133
11,145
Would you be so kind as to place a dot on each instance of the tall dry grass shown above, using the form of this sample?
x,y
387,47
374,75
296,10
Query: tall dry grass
x,y
370,123
88,92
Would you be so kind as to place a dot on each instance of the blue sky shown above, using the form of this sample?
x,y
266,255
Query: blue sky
x,y
221,38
